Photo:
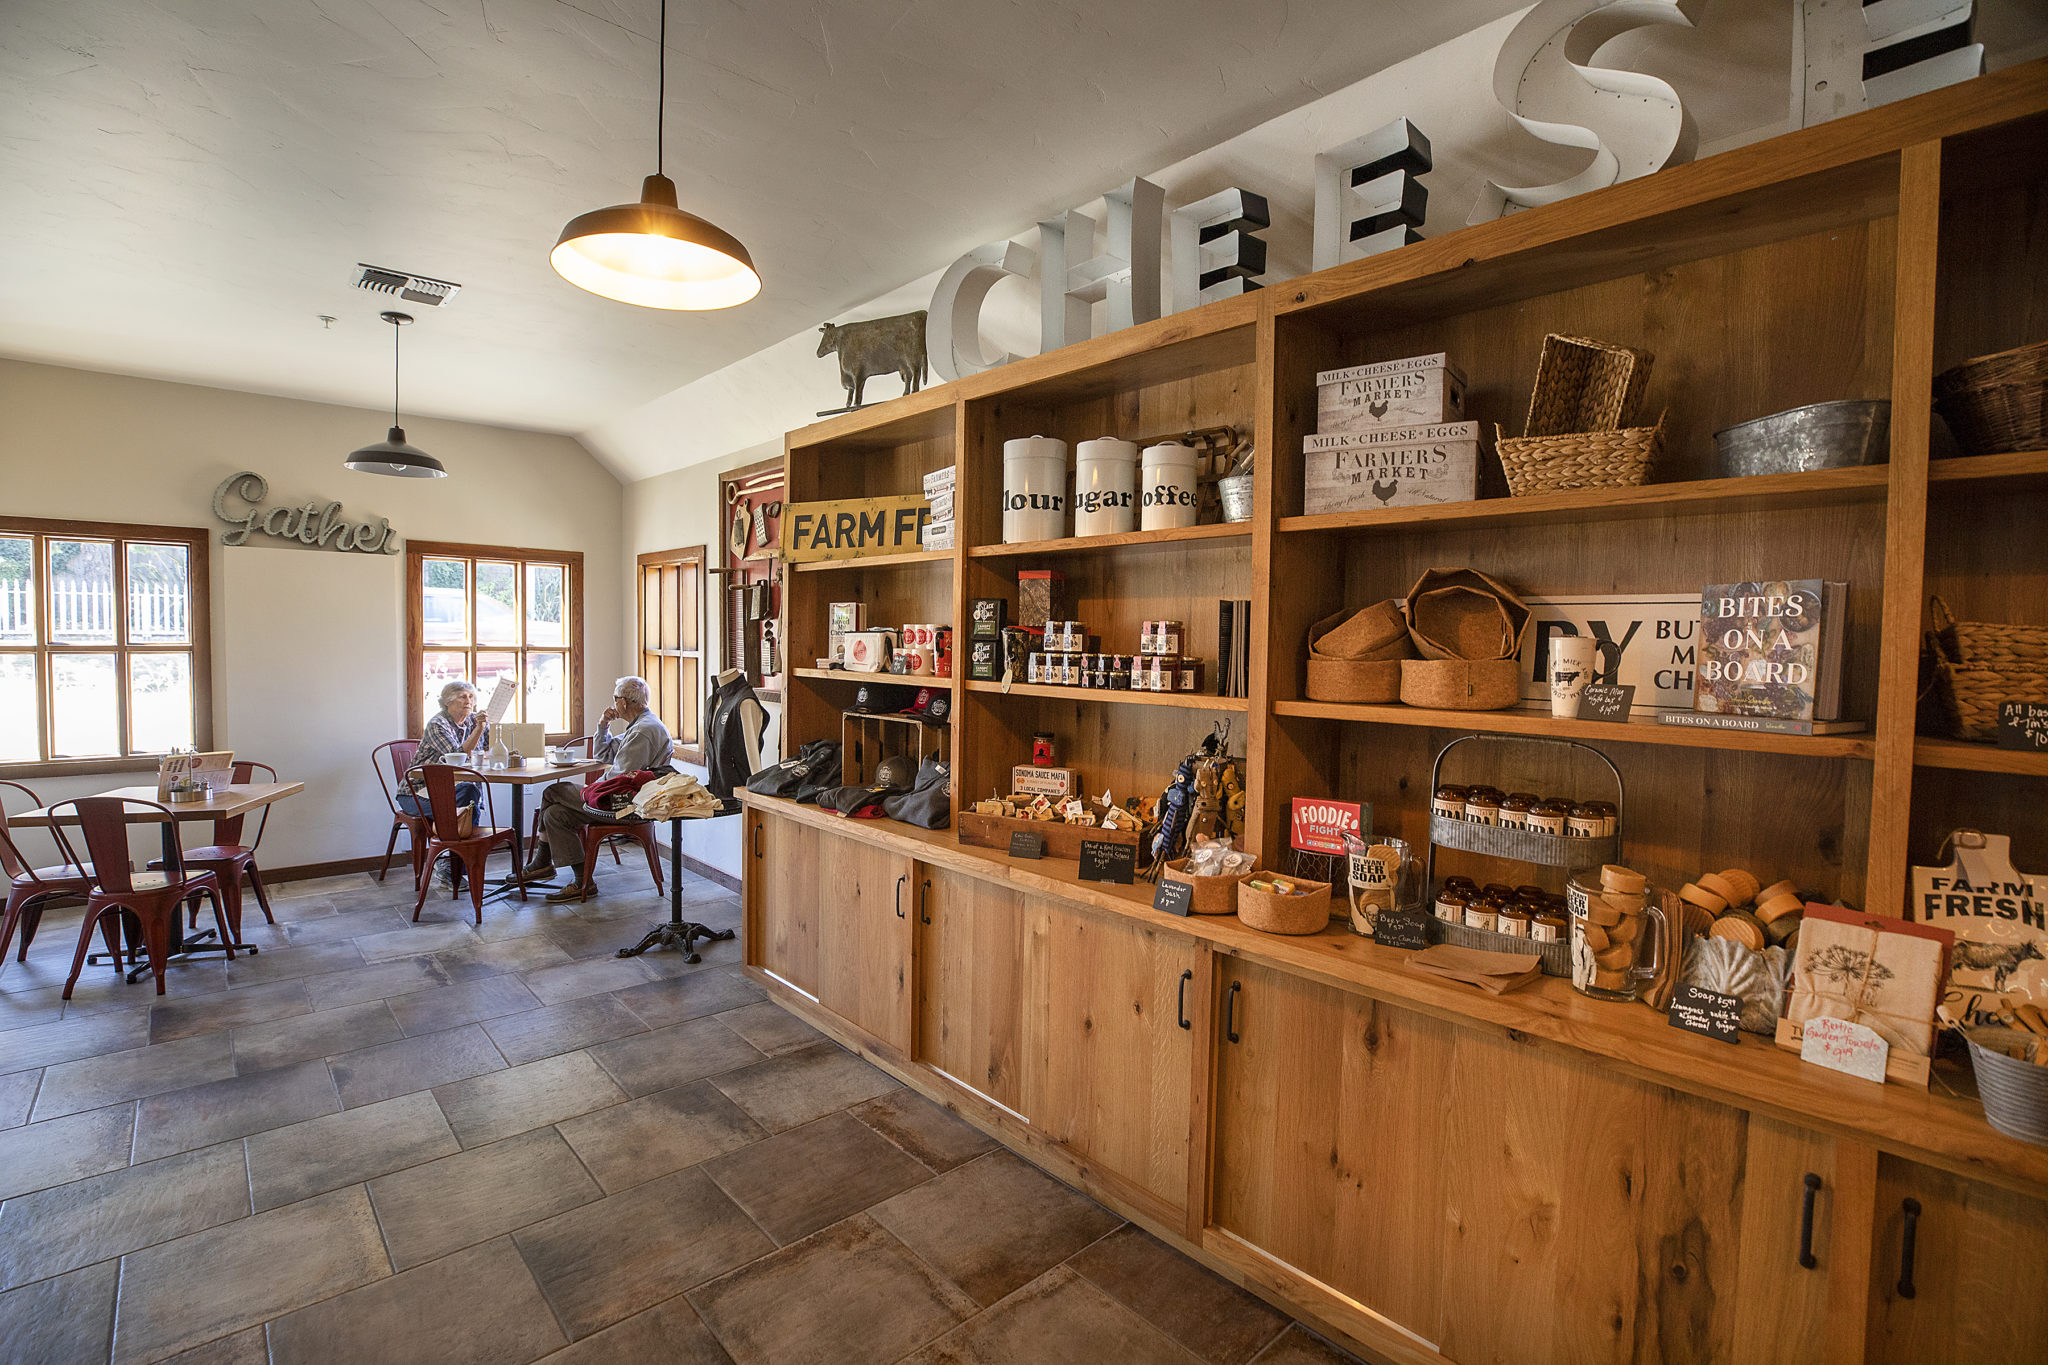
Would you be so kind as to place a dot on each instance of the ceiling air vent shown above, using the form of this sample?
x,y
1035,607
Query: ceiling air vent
x,y
412,288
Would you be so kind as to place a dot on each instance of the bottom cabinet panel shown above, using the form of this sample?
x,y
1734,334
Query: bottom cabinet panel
x,y
1978,1270
972,944
1789,1266
863,898
786,868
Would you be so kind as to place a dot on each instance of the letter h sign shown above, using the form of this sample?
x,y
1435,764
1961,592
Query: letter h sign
x,y
1071,276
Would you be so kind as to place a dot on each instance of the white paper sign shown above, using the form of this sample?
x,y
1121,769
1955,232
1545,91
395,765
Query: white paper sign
x,y
1846,1046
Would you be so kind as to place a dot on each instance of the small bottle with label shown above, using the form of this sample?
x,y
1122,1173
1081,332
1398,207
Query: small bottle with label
x,y
1482,914
1548,926
1514,921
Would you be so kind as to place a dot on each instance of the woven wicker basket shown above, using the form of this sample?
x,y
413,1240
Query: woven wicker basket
x,y
1999,402
1978,664
1580,459
1584,385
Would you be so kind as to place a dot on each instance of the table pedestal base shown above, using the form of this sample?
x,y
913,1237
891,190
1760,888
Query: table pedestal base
x,y
190,946
679,934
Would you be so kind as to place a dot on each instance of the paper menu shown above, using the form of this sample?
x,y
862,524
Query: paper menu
x,y
501,701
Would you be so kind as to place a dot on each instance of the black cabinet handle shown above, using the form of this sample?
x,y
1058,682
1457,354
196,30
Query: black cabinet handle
x,y
1912,1211
1180,1011
757,837
1806,1222
924,902
1230,1012
899,894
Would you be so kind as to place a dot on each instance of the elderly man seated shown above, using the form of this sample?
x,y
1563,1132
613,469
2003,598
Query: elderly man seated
x,y
631,739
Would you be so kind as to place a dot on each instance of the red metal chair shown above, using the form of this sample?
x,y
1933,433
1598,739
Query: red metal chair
x,y
154,900
228,859
444,836
610,836
391,761
30,888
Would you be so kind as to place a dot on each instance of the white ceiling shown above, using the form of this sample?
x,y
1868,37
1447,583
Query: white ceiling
x,y
186,184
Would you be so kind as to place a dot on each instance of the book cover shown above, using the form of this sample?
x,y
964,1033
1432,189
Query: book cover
x,y
1764,648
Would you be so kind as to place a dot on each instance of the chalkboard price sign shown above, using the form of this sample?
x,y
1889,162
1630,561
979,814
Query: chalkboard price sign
x,y
1401,929
2023,725
1606,701
1102,861
1174,898
1707,1013
1025,843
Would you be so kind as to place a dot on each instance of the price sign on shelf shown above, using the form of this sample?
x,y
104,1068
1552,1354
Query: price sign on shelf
x,y
1174,898
1844,1045
2023,725
1103,861
1707,1013
1027,843
1606,701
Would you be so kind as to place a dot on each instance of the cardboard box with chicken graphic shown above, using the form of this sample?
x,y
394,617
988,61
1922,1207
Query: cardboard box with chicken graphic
x,y
1390,467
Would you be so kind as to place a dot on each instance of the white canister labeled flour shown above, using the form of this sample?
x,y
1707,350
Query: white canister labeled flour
x,y
1105,487
1167,487
1034,489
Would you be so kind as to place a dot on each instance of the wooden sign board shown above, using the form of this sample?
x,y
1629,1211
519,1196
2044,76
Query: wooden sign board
x,y
853,528
1390,467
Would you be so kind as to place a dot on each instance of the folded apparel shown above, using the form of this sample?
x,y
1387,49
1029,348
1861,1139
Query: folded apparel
x,y
1495,973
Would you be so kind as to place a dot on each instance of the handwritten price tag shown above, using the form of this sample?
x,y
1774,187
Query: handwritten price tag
x,y
1842,1045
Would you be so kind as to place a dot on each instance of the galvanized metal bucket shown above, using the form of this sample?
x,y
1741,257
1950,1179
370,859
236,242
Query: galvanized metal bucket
x,y
2014,1090
1237,497
1839,435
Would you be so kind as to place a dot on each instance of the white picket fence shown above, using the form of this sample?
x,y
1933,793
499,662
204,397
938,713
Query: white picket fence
x,y
83,611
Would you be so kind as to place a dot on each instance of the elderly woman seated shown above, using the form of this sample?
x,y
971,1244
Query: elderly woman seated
x,y
457,728
631,739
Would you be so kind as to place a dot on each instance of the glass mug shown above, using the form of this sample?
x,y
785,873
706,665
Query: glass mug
x,y
1601,967
1374,885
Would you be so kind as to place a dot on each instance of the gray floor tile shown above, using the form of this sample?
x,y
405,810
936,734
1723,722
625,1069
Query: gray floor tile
x,y
1059,1316
69,1148
431,1210
69,1318
644,1139
336,885
312,959
799,1086
938,1139
305,1159
797,1182
1299,1346
325,1033
850,1295
690,996
770,1028
556,984
345,924
95,1082
565,1027
67,1040
17,1093
500,1103
611,1259
511,919
59,1229
485,958
585,939
299,907
190,1291
467,1002
476,1307
26,1009
378,1073
246,1347
676,1055
1201,1310
175,1019
399,977
415,940
668,1332
201,1115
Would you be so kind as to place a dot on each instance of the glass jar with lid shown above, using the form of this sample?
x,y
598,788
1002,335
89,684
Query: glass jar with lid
x,y
1514,810
1448,801
1585,821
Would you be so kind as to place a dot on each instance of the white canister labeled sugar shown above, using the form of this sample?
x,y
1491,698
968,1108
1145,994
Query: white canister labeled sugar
x,y
1167,487
1105,487
1034,489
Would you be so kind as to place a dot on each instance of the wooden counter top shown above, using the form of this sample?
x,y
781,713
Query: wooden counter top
x,y
1932,1126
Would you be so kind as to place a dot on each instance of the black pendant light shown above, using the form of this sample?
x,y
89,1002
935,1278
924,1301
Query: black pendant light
x,y
652,253
392,455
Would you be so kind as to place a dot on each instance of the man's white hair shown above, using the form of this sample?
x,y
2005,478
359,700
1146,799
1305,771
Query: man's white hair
x,y
632,689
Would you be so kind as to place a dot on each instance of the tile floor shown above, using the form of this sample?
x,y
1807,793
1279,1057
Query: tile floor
x,y
381,1141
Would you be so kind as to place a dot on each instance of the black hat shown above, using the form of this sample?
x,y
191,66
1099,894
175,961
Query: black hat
x,y
932,705
871,698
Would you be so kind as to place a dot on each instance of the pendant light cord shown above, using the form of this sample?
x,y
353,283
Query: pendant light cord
x,y
394,374
661,89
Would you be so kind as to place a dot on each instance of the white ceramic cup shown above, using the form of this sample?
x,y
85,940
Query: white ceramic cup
x,y
1572,658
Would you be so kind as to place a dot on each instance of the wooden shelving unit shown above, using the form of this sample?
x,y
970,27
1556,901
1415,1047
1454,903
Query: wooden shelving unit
x,y
1187,701
1977,758
867,562
1031,549
1532,721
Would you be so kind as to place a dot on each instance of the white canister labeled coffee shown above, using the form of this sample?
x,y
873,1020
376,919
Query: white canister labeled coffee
x,y
1034,489
1167,487
1105,487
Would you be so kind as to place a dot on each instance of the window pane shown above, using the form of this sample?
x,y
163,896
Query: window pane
x,y
159,702
546,621
547,691
438,669
82,593
497,603
159,594
491,665
444,604
19,741
17,590
84,715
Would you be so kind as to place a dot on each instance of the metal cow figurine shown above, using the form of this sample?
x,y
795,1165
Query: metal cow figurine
x,y
876,346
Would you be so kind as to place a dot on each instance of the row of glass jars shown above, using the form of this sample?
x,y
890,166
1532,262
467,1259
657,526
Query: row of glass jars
x,y
1525,810
1518,911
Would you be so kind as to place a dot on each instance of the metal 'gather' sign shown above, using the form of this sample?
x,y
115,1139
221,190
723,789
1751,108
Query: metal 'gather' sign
x,y
313,524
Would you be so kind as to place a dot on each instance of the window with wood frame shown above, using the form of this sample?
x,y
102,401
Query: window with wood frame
x,y
104,657
672,643
485,613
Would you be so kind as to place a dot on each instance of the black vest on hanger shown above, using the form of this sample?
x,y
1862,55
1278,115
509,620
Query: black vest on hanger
x,y
725,739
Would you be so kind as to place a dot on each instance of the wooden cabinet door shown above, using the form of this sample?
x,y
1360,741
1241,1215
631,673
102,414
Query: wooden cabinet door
x,y
1114,1079
782,899
1784,1299
1980,1271
972,948
862,914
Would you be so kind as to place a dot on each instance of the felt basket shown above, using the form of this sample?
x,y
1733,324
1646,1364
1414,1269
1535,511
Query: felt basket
x,y
1364,681
1308,913
1465,614
1461,684
1212,895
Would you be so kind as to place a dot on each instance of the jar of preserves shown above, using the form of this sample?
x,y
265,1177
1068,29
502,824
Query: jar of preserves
x,y
1548,926
1450,905
1584,821
1482,914
1482,806
1514,921
1514,810
1548,817
1449,802
1610,818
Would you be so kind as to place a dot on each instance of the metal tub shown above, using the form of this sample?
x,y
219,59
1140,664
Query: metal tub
x,y
1837,435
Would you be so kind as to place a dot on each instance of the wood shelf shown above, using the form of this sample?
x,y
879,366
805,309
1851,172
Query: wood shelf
x,y
1192,701
1977,758
849,675
1222,530
2015,466
874,561
1535,721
